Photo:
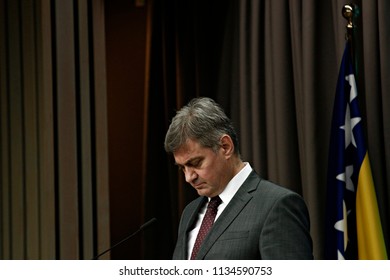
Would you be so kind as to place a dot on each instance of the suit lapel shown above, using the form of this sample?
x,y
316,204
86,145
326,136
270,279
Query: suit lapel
x,y
232,210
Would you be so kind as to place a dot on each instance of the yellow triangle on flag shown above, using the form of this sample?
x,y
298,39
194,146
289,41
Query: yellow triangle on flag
x,y
371,244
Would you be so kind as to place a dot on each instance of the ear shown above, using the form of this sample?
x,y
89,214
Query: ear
x,y
227,146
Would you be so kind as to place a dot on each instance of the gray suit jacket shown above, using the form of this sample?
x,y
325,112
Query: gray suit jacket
x,y
262,221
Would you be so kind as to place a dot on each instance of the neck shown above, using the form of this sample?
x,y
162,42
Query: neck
x,y
238,166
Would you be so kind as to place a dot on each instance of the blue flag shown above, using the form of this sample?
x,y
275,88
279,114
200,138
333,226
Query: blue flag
x,y
353,228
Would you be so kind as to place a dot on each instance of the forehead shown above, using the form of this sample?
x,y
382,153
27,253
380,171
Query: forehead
x,y
191,149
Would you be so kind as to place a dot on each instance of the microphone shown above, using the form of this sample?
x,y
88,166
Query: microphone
x,y
145,225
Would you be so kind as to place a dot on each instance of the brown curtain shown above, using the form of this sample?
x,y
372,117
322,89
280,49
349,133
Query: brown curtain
x,y
54,199
273,65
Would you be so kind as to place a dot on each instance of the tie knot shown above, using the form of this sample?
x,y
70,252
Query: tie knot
x,y
214,202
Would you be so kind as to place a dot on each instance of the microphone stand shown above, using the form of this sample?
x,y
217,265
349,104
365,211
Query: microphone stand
x,y
145,225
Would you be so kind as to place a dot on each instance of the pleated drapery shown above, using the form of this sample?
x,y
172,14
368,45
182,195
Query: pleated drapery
x,y
54,176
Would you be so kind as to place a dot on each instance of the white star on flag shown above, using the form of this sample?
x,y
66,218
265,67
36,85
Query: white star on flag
x,y
346,177
353,92
348,127
342,225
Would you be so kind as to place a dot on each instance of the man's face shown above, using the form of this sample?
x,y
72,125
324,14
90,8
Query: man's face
x,y
207,171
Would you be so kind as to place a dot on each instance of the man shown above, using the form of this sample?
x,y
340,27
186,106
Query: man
x,y
250,218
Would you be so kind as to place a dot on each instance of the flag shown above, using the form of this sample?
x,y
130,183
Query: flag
x,y
353,226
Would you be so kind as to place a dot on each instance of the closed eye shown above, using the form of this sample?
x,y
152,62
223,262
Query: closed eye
x,y
192,163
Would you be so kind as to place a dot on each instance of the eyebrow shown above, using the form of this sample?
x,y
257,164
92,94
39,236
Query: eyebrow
x,y
189,162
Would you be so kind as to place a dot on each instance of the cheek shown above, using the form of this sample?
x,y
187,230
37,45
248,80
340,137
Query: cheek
x,y
204,174
212,174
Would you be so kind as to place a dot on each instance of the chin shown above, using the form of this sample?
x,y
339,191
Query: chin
x,y
203,193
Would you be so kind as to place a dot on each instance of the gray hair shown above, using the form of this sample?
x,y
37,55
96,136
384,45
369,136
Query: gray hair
x,y
202,120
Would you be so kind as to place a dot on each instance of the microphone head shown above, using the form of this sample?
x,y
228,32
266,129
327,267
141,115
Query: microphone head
x,y
148,223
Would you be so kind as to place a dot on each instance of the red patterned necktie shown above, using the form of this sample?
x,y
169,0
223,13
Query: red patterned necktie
x,y
207,223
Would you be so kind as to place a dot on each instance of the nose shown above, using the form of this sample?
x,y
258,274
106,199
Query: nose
x,y
189,174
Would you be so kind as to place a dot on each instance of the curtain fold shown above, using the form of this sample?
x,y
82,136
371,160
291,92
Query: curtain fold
x,y
54,194
375,68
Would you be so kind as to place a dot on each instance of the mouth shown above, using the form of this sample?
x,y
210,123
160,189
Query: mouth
x,y
199,186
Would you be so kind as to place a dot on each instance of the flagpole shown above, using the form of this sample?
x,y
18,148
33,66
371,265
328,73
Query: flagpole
x,y
348,13
351,12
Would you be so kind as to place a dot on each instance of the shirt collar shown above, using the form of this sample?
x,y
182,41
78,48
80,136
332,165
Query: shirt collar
x,y
235,183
